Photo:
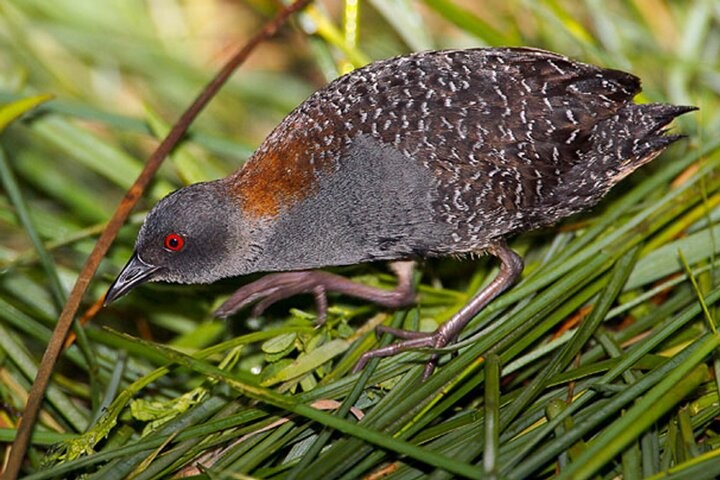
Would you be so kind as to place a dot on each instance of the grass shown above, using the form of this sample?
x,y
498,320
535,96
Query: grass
x,y
601,363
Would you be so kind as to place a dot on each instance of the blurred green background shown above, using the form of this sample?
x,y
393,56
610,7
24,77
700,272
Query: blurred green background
x,y
122,71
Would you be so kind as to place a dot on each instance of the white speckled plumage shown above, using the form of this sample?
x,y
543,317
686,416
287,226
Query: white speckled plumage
x,y
514,138
430,154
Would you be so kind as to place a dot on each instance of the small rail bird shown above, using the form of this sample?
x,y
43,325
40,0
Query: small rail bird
x,y
426,155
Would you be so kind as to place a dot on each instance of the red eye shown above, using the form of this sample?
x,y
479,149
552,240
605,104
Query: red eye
x,y
174,242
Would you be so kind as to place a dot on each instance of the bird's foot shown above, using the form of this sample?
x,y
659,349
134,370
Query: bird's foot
x,y
278,286
511,266
273,288
412,340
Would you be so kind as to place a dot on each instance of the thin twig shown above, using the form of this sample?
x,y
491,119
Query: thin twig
x,y
132,196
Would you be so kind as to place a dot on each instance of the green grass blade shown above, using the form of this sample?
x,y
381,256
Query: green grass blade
x,y
682,380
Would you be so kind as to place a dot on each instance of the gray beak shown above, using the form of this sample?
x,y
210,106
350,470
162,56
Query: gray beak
x,y
135,272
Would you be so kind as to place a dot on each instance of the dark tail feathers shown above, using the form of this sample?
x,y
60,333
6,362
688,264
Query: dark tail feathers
x,y
634,136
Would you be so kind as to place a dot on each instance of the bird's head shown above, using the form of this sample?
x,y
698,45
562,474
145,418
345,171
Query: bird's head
x,y
187,237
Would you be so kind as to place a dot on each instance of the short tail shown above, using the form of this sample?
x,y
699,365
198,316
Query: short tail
x,y
650,134
633,137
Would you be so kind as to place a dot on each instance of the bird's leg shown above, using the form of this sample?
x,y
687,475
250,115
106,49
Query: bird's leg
x,y
511,266
277,286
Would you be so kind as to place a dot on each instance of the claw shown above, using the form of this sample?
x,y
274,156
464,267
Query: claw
x,y
393,349
511,267
273,296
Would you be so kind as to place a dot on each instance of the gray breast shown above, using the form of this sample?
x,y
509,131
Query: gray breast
x,y
376,204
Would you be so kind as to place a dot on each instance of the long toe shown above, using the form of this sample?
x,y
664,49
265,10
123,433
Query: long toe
x,y
394,349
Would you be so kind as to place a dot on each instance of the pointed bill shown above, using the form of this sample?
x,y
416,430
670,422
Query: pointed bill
x,y
135,272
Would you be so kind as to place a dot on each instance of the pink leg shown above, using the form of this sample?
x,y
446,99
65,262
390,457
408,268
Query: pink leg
x,y
277,286
511,267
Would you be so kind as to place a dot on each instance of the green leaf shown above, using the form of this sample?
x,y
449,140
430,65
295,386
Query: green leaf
x,y
279,344
307,362
682,380
11,112
665,261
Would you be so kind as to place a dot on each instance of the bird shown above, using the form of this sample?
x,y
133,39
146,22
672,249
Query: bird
x,y
432,154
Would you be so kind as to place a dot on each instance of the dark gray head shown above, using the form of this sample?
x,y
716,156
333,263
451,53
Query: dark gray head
x,y
186,238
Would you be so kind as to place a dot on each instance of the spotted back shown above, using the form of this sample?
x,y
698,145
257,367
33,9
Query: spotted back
x,y
499,130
